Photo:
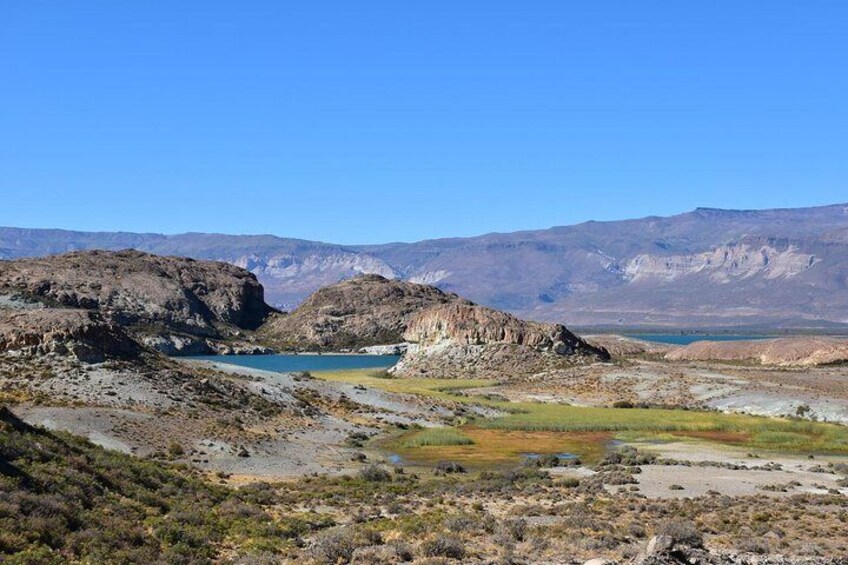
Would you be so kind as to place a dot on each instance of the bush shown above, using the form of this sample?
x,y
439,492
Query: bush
x,y
682,532
459,523
375,474
448,467
175,449
443,546
334,546
514,529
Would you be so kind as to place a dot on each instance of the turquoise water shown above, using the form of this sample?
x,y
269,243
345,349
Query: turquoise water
x,y
686,339
292,363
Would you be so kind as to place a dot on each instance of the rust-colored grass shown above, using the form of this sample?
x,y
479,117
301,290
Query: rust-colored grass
x,y
492,448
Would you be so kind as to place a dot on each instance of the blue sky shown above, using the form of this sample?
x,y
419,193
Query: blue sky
x,y
360,122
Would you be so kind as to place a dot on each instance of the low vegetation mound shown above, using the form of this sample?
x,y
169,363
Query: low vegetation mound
x,y
790,351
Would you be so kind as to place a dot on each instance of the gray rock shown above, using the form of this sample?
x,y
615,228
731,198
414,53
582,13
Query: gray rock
x,y
659,544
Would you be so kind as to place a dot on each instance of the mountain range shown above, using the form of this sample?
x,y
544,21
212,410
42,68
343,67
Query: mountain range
x,y
709,268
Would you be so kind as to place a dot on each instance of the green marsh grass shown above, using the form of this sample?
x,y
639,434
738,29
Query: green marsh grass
x,y
437,437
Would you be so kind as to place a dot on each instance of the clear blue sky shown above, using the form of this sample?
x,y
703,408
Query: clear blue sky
x,y
360,122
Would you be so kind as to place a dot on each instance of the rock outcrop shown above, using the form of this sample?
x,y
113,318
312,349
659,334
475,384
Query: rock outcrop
x,y
470,324
81,334
789,351
498,361
470,341
147,294
359,312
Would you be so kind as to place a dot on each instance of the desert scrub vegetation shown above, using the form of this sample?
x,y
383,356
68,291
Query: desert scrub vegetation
x,y
64,500
434,437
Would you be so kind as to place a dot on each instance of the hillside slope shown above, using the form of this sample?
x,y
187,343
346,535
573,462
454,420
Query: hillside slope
x,y
64,500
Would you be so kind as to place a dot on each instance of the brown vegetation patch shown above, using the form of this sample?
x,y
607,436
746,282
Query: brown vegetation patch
x,y
496,448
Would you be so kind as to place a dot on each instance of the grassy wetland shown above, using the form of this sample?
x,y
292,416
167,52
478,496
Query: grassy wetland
x,y
538,427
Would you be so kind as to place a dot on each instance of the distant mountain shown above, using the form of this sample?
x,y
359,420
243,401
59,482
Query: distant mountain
x,y
706,268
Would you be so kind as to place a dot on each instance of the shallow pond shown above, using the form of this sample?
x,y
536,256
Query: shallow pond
x,y
686,339
308,362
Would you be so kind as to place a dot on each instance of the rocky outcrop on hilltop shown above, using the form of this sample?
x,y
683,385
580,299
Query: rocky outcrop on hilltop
x,y
146,294
466,340
789,351
470,324
81,334
362,311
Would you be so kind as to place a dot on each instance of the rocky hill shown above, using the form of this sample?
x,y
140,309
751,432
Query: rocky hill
x,y
365,310
151,296
705,268
444,334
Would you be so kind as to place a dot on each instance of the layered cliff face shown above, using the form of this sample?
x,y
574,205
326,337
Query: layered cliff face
x,y
142,291
81,334
723,264
470,324
362,311
471,341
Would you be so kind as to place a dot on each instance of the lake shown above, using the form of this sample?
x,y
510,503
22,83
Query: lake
x,y
293,363
686,339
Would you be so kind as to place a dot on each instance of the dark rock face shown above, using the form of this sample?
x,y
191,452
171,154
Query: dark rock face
x,y
82,334
365,310
143,292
